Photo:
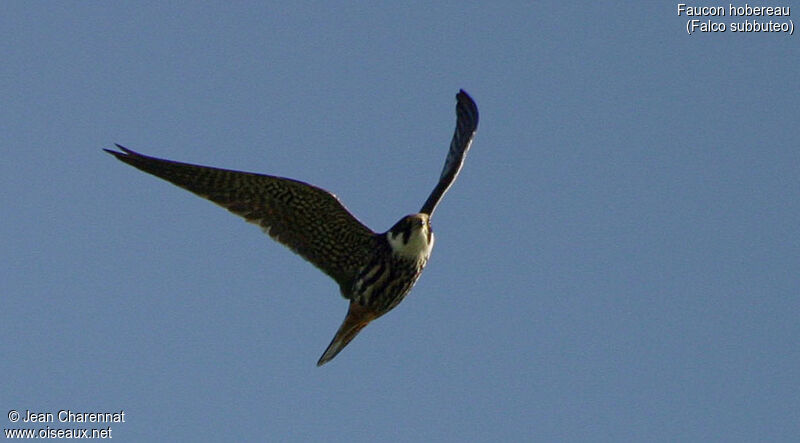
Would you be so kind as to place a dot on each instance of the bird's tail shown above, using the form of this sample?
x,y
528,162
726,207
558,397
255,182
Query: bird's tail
x,y
357,317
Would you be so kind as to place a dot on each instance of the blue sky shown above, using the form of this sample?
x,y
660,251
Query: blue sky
x,y
618,260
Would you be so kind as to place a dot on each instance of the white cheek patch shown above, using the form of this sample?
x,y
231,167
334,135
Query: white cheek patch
x,y
396,241
417,248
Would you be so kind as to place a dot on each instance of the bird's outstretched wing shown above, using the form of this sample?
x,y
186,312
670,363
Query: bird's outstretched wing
x,y
466,125
309,220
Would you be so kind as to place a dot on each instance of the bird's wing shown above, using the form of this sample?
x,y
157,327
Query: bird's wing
x,y
308,220
466,125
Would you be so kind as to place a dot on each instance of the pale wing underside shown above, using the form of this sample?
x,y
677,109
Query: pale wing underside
x,y
309,220
466,125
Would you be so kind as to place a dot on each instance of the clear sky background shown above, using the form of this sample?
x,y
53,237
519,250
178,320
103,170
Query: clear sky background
x,y
618,260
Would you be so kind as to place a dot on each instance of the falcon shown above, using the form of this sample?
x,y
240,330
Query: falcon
x,y
374,271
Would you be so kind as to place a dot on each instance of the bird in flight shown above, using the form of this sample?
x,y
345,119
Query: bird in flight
x,y
374,271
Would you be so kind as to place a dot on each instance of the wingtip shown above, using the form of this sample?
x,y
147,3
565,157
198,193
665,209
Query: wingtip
x,y
463,95
124,149
466,102
125,152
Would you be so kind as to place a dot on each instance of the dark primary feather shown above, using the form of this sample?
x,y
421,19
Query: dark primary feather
x,y
309,220
466,125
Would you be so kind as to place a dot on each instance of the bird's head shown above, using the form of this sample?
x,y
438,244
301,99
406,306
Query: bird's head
x,y
412,236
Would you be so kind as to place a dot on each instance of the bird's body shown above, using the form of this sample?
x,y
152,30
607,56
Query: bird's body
x,y
374,271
